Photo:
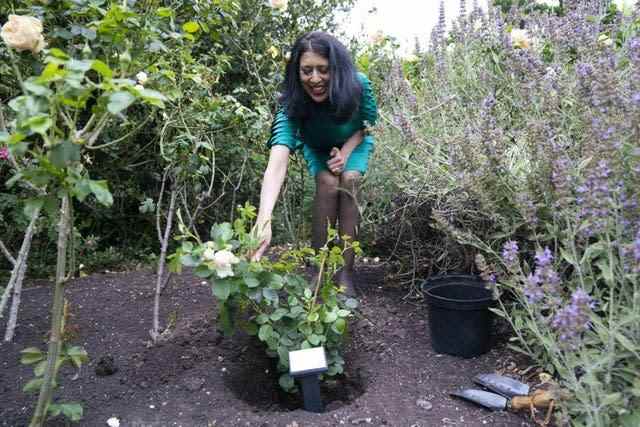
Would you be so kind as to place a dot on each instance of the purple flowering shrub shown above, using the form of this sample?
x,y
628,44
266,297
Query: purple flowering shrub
x,y
522,137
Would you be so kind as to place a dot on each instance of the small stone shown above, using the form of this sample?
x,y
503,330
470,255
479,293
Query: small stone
x,y
152,406
106,366
424,404
113,422
366,420
193,384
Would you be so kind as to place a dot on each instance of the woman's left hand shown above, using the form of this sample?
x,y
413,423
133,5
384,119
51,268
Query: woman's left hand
x,y
336,161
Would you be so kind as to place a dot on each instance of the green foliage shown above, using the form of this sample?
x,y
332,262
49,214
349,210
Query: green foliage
x,y
285,311
71,355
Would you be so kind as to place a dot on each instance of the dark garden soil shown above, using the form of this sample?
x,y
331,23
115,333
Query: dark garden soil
x,y
197,377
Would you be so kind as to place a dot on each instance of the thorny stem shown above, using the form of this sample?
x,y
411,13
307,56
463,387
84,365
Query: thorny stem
x,y
55,340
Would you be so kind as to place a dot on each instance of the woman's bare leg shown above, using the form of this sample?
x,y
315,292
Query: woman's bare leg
x,y
348,219
325,207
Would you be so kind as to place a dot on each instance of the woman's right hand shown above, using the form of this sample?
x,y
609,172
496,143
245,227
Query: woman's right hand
x,y
263,232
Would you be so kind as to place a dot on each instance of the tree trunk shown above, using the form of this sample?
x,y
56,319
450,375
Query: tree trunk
x,y
55,339
17,277
155,334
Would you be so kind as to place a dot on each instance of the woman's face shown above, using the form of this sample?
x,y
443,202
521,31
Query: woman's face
x,y
314,75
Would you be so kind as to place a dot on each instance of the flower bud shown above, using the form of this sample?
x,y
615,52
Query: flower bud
x,y
142,77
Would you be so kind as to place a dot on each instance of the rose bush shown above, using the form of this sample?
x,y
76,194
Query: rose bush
x,y
284,310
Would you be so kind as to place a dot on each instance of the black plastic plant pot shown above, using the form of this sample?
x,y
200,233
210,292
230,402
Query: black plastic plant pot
x,y
459,318
442,279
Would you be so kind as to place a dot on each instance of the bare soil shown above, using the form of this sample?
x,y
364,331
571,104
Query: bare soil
x,y
197,377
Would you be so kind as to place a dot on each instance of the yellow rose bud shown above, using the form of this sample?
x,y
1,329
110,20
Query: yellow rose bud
x,y
273,51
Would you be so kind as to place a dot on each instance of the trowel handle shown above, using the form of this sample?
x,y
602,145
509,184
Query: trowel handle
x,y
539,399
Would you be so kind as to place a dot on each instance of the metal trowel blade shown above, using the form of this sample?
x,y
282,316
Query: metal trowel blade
x,y
505,386
489,400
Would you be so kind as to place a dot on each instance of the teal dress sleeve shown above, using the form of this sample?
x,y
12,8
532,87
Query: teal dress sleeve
x,y
368,106
284,132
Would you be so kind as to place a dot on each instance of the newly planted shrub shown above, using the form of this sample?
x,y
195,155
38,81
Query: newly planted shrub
x,y
271,299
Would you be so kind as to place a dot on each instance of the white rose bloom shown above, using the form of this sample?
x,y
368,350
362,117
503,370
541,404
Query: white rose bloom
x,y
142,77
279,4
223,261
23,33
208,254
113,422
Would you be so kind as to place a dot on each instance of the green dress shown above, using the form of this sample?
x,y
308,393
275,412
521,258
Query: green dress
x,y
319,134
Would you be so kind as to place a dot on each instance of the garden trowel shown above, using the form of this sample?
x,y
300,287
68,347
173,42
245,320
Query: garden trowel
x,y
513,395
508,387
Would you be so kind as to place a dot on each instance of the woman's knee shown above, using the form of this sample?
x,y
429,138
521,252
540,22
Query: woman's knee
x,y
350,180
327,182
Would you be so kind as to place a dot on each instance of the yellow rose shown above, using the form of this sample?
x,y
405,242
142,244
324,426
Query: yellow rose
x,y
23,33
273,51
520,38
279,4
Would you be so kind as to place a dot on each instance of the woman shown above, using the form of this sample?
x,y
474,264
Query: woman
x,y
325,109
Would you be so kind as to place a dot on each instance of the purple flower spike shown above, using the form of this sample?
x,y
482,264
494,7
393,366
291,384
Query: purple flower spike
x,y
573,319
532,290
544,258
636,252
510,253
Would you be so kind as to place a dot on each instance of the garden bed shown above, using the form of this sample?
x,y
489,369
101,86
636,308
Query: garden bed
x,y
197,377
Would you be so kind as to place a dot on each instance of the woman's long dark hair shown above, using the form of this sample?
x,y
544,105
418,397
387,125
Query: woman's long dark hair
x,y
344,88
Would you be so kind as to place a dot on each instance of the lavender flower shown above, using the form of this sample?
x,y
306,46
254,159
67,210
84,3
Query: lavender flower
x,y
595,199
4,153
510,254
573,319
636,253
544,282
544,258
532,290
